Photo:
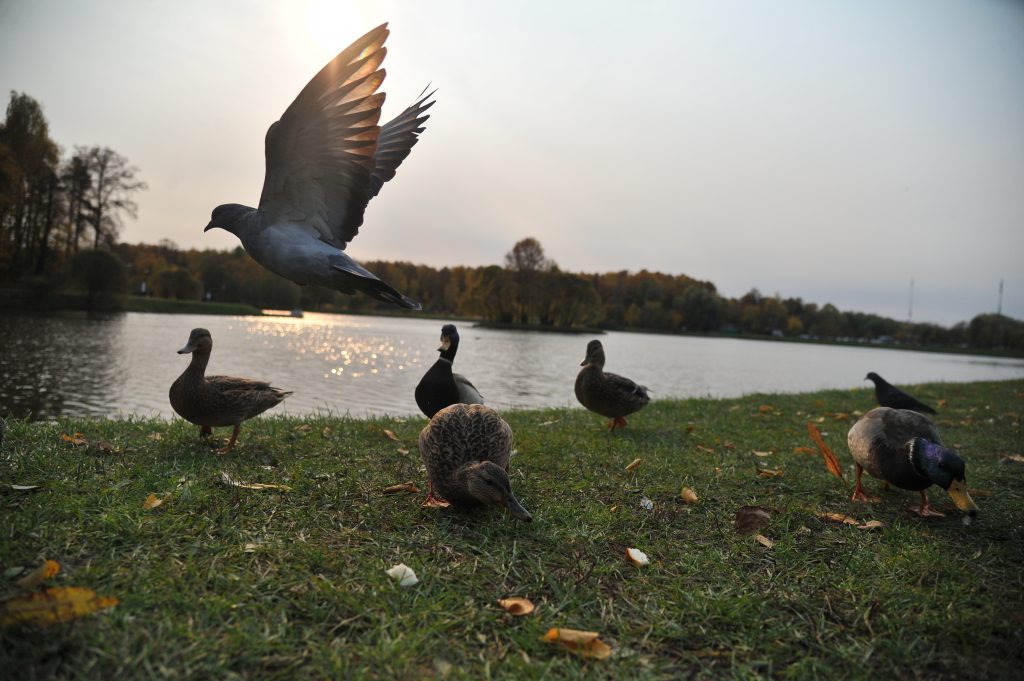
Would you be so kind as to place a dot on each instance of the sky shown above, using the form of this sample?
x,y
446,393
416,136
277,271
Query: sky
x,y
822,149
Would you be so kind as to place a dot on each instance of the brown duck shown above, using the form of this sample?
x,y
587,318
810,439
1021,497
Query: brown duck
x,y
215,401
607,394
465,449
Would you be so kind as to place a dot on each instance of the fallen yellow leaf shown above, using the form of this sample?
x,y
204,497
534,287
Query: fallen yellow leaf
x,y
402,487
764,541
516,606
76,439
871,525
1012,458
831,462
761,454
838,518
152,501
688,495
56,604
768,473
303,428
403,450
44,572
634,464
766,408
805,450
584,643
326,432
156,437
390,434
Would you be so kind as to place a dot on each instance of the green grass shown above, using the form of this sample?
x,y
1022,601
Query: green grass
x,y
923,598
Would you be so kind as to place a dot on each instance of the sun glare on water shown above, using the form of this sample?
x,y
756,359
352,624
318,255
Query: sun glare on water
x,y
333,24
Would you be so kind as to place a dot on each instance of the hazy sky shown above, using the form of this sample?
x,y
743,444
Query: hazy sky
x,y
822,149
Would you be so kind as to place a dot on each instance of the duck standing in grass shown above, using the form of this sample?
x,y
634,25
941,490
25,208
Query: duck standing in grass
x,y
607,394
902,448
466,449
440,386
890,396
214,401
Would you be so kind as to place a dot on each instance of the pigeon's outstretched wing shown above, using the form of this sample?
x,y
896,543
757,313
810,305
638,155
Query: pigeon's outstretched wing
x,y
396,140
320,154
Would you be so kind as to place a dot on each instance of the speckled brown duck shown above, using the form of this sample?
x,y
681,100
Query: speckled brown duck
x,y
216,401
902,448
609,395
466,449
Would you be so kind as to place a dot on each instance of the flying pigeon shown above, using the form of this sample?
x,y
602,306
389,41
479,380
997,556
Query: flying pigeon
x,y
326,158
890,396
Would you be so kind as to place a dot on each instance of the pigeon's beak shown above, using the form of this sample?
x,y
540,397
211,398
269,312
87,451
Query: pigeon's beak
x,y
209,226
187,349
516,509
445,344
958,493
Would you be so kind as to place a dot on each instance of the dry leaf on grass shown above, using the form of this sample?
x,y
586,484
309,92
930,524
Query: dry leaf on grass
x,y
584,643
76,439
303,428
402,487
764,541
404,574
871,525
637,557
390,434
633,464
548,423
156,437
831,462
705,449
227,480
1012,458
403,450
434,502
646,504
751,518
761,454
768,473
326,432
152,501
805,450
688,495
838,518
55,605
250,548
766,408
516,606
44,572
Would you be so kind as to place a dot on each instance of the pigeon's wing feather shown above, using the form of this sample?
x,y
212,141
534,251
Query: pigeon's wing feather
x,y
320,154
396,140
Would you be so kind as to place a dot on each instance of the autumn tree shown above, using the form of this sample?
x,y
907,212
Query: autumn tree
x,y
110,193
528,264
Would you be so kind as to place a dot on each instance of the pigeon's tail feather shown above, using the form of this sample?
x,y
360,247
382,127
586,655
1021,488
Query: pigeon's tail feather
x,y
350,277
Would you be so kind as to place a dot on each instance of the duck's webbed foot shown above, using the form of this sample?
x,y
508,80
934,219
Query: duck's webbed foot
x,y
617,422
231,441
859,493
926,510
433,501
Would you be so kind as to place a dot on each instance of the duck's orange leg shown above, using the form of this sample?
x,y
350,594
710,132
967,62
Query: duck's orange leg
x,y
432,501
617,422
926,510
859,493
231,442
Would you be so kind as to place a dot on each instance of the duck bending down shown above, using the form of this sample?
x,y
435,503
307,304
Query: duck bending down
x,y
902,448
466,449
440,386
607,394
890,396
215,401
326,158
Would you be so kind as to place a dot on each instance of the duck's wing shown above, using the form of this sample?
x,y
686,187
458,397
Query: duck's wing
x,y
245,396
320,154
468,394
625,388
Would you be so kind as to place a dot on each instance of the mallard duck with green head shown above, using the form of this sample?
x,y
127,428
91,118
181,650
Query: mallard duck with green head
x,y
441,386
466,449
607,394
216,401
902,448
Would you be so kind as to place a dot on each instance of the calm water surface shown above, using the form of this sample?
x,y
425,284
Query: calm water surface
x,y
73,365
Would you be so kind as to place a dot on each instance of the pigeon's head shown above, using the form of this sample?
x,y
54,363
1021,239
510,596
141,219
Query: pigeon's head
x,y
449,339
199,339
945,468
488,484
229,216
873,377
595,355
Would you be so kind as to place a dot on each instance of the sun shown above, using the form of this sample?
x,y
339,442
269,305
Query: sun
x,y
332,24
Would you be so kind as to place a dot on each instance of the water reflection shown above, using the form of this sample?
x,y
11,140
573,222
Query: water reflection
x,y
108,366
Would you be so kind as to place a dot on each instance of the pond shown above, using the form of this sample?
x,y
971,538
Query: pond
x,y
118,365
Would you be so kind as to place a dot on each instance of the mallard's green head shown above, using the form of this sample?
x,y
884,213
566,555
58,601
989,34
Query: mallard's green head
x,y
945,468
488,484
595,355
449,341
199,339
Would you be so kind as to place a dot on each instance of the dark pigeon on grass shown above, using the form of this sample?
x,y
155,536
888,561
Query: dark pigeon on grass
x,y
326,158
890,396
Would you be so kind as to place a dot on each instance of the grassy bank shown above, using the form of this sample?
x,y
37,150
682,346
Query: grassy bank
x,y
228,582
46,300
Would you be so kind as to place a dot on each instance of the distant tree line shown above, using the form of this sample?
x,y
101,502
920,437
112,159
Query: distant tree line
x,y
60,217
